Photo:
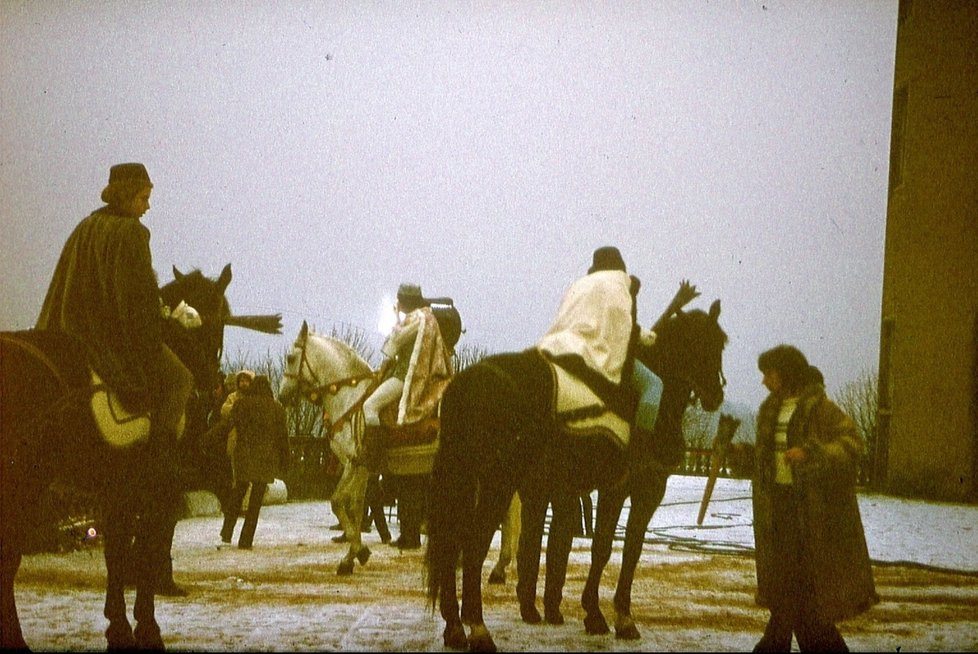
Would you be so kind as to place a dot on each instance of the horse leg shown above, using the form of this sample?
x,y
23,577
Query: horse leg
x,y
480,640
610,502
559,541
159,502
509,535
454,633
489,511
118,528
533,515
11,548
350,511
646,496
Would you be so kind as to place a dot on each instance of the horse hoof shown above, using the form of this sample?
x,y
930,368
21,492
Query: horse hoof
x,y
119,637
529,614
148,637
481,641
454,637
496,577
345,568
596,625
554,616
363,555
627,631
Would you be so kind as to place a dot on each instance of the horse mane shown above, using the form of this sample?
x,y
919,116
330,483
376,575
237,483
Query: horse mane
x,y
344,350
682,332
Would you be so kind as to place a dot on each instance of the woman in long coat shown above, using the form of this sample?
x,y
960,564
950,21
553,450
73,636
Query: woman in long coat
x,y
260,456
813,566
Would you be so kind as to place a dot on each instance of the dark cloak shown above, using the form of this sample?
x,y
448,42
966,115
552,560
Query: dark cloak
x,y
105,293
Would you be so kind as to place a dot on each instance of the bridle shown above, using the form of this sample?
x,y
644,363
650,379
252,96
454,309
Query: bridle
x,y
315,391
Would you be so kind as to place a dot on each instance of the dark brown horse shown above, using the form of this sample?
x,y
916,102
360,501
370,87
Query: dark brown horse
x,y
499,435
48,435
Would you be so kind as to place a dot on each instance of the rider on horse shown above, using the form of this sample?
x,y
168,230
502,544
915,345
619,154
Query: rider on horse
x,y
417,366
595,332
414,374
105,293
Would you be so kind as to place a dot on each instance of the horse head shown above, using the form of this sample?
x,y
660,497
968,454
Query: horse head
x,y
689,348
201,348
319,368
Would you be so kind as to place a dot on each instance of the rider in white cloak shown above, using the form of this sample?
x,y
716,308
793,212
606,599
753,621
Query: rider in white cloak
x,y
592,335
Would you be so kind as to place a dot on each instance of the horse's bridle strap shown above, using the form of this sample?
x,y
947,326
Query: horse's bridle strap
x,y
337,424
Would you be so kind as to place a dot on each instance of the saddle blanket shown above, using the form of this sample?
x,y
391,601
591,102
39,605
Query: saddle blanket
x,y
120,428
580,412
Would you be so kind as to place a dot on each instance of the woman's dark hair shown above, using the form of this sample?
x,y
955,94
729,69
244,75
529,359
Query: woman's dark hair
x,y
789,362
261,386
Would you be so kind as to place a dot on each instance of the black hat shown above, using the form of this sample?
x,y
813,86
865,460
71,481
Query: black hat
x,y
128,173
607,258
410,296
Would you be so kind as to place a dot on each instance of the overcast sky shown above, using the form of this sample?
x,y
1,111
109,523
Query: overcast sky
x,y
330,151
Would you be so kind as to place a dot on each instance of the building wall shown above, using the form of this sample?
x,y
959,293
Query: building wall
x,y
929,336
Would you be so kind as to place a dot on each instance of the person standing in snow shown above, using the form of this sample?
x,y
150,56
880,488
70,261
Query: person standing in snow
x,y
813,566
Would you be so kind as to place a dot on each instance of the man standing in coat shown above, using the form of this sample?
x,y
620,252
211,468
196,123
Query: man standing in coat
x,y
260,456
813,566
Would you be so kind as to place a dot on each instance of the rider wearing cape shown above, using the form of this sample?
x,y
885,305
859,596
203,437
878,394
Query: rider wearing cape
x,y
105,293
595,331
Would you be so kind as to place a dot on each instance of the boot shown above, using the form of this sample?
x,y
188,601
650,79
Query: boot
x,y
372,448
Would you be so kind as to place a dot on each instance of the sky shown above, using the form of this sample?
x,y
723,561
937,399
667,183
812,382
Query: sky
x,y
331,151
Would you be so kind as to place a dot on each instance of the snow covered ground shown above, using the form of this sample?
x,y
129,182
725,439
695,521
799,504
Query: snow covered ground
x,y
694,590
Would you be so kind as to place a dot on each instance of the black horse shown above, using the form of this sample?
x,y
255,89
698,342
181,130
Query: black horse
x,y
499,435
651,458
48,435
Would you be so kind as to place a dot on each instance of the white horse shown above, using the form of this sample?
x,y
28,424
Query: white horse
x,y
509,540
329,373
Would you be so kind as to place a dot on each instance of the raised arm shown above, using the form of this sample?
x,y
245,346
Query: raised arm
x,y
687,293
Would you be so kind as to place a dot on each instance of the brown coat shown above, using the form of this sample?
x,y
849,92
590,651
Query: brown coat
x,y
262,450
831,524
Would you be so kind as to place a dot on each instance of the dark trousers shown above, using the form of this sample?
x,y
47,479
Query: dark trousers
x,y
412,499
247,536
373,508
794,611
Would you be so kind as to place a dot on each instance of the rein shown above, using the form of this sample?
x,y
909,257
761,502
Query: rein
x,y
315,391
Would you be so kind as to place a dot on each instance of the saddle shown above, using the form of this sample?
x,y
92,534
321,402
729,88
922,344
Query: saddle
x,y
580,412
422,432
61,359
119,427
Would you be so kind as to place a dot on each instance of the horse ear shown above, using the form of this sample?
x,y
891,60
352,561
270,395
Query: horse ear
x,y
304,332
715,309
225,278
177,275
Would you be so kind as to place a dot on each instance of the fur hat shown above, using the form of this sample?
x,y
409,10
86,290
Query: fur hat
x,y
607,258
129,173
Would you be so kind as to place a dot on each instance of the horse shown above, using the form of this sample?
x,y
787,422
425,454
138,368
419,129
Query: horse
x,y
646,486
329,373
499,435
48,435
695,375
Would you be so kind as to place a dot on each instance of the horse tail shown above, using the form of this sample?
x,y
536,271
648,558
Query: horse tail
x,y
454,480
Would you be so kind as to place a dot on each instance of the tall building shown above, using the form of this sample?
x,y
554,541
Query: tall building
x,y
928,400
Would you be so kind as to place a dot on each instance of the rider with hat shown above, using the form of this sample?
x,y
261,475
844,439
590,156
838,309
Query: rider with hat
x,y
414,374
596,330
105,293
